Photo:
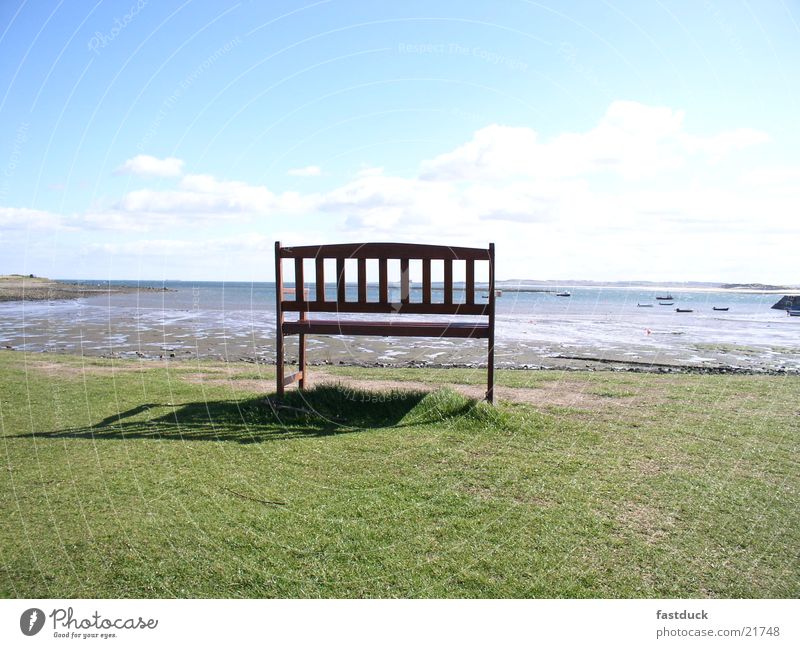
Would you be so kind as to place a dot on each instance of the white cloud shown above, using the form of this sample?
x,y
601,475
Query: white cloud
x,y
248,243
199,199
522,201
149,247
369,171
632,140
599,203
718,146
407,207
15,218
502,174
147,165
306,171
774,175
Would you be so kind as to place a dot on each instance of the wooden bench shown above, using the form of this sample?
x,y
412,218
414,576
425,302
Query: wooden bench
x,y
301,303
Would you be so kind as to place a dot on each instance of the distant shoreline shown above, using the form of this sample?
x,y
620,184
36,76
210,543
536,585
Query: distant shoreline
x,y
665,288
31,288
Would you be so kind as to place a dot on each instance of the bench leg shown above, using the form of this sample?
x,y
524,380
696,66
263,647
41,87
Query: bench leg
x,y
302,361
279,368
490,374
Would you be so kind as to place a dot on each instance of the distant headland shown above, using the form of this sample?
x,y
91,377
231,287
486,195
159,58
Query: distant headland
x,y
16,287
542,285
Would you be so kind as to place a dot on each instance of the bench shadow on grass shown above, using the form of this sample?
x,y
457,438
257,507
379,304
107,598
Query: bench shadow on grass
x,y
323,410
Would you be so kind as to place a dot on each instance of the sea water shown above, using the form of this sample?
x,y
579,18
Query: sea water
x,y
236,319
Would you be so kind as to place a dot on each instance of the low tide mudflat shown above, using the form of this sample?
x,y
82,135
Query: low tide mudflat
x,y
595,328
148,479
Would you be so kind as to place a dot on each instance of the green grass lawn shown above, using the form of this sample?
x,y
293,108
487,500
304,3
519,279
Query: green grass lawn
x,y
143,479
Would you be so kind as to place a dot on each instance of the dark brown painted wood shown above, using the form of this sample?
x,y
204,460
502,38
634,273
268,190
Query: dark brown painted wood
x,y
362,281
296,376
405,283
448,281
469,284
386,329
319,263
299,282
301,347
279,316
490,355
383,280
384,250
426,281
411,308
340,285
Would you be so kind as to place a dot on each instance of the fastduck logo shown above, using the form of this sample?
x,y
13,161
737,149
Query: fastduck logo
x,y
67,625
31,621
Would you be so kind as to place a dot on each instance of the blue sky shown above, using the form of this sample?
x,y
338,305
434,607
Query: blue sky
x,y
593,140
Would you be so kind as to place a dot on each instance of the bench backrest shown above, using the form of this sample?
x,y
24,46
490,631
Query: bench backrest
x,y
384,252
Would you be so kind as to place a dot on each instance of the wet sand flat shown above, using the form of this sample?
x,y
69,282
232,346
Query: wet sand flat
x,y
542,332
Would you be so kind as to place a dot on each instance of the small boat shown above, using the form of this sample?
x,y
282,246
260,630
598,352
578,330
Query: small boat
x,y
644,305
684,310
721,309
565,293
668,297
665,303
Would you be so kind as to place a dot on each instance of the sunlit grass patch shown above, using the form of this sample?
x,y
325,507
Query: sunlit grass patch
x,y
144,481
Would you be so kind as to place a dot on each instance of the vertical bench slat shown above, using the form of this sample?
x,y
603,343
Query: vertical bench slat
x,y
405,284
426,281
383,280
299,282
340,294
470,286
320,265
448,281
362,281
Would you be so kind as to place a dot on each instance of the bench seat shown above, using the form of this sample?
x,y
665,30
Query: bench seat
x,y
387,328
